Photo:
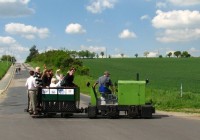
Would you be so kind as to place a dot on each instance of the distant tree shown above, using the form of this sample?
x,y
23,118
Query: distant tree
x,y
102,54
97,55
189,55
92,55
169,54
136,55
109,56
160,56
122,55
185,54
87,53
146,53
33,53
177,53
81,54
13,59
8,58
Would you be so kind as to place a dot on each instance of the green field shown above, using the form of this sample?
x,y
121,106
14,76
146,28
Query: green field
x,y
4,66
163,73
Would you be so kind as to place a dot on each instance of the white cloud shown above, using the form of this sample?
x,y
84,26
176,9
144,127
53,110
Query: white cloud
x,y
15,8
74,28
7,40
193,51
161,5
98,6
119,55
176,19
48,48
10,46
167,52
153,54
179,35
177,26
125,34
184,2
93,48
144,17
26,31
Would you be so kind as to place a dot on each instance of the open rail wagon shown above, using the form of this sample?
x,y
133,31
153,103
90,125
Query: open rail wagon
x,y
129,101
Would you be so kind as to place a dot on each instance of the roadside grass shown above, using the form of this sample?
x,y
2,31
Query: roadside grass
x,y
173,101
4,66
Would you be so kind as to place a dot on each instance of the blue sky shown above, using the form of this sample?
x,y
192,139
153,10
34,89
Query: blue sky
x,y
111,26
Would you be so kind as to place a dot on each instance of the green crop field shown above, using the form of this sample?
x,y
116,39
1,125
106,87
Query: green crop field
x,y
4,67
163,73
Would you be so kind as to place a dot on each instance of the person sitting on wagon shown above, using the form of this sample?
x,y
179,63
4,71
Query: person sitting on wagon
x,y
105,84
54,83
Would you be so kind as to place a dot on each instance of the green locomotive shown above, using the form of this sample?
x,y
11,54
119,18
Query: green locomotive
x,y
130,101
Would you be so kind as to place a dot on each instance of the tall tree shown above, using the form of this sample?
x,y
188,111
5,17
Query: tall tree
x,y
33,53
177,53
169,54
185,54
102,54
146,53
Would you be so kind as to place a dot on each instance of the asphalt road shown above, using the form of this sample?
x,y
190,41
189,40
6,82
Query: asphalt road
x,y
15,124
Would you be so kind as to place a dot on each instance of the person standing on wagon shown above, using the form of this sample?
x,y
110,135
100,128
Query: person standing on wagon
x,y
67,81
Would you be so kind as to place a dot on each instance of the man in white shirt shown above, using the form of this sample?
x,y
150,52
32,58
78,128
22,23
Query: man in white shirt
x,y
32,93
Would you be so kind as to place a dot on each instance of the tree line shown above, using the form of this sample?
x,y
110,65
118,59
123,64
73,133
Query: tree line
x,y
170,54
179,54
8,58
62,59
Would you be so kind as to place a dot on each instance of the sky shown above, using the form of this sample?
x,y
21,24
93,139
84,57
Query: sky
x,y
115,27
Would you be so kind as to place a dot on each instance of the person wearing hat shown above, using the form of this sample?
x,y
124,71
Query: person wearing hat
x,y
105,84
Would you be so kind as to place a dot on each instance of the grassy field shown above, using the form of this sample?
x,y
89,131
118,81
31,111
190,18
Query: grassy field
x,y
4,67
163,73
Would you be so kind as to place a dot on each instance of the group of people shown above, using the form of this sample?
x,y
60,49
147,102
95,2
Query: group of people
x,y
38,80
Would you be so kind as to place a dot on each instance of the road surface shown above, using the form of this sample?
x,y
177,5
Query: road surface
x,y
15,124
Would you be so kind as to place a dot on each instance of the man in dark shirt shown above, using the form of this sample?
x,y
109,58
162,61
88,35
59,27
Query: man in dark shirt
x,y
105,84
